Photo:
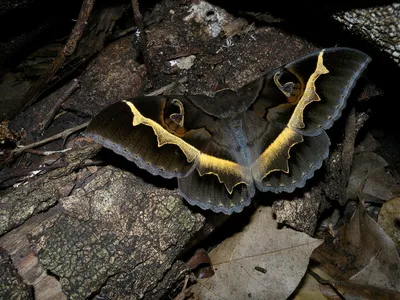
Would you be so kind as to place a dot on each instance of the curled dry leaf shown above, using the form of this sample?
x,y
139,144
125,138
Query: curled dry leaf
x,y
362,253
200,264
261,261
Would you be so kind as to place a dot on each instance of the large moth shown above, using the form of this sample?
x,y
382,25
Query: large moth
x,y
268,135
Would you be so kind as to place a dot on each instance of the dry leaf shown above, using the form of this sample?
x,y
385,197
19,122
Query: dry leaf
x,y
376,251
357,292
380,185
364,164
361,254
324,287
260,262
309,287
369,180
389,219
368,144
200,264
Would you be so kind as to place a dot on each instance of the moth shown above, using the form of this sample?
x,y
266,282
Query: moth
x,y
268,135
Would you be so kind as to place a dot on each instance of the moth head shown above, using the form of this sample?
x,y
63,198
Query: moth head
x,y
178,118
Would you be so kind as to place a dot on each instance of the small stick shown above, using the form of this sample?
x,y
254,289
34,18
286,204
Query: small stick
x,y
122,33
182,294
29,172
63,134
34,92
16,174
324,282
46,153
53,112
142,37
165,88
348,146
67,132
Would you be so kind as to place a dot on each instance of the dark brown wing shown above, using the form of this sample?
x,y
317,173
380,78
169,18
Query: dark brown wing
x,y
222,178
172,136
163,135
304,98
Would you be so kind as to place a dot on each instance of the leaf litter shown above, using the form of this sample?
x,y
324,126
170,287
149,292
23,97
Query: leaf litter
x,y
357,261
389,219
258,261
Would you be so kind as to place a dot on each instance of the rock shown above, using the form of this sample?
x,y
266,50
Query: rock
x,y
378,25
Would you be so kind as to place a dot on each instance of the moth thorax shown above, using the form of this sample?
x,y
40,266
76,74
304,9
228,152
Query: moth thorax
x,y
238,133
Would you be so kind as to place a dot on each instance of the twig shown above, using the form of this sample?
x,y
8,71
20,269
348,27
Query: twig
x,y
76,34
121,33
348,149
67,132
325,282
167,87
63,134
53,112
24,173
46,153
142,39
10,177
182,294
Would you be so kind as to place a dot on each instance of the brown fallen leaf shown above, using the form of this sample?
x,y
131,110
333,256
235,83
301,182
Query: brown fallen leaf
x,y
389,219
357,292
364,164
260,262
318,285
362,253
200,264
368,144
380,185
309,287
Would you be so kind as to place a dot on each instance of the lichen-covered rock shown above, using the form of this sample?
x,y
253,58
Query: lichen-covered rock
x,y
292,212
114,75
379,25
116,231
238,54
11,284
18,204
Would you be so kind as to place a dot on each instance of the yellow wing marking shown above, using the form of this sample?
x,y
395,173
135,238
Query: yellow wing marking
x,y
310,94
221,168
206,162
163,136
266,163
